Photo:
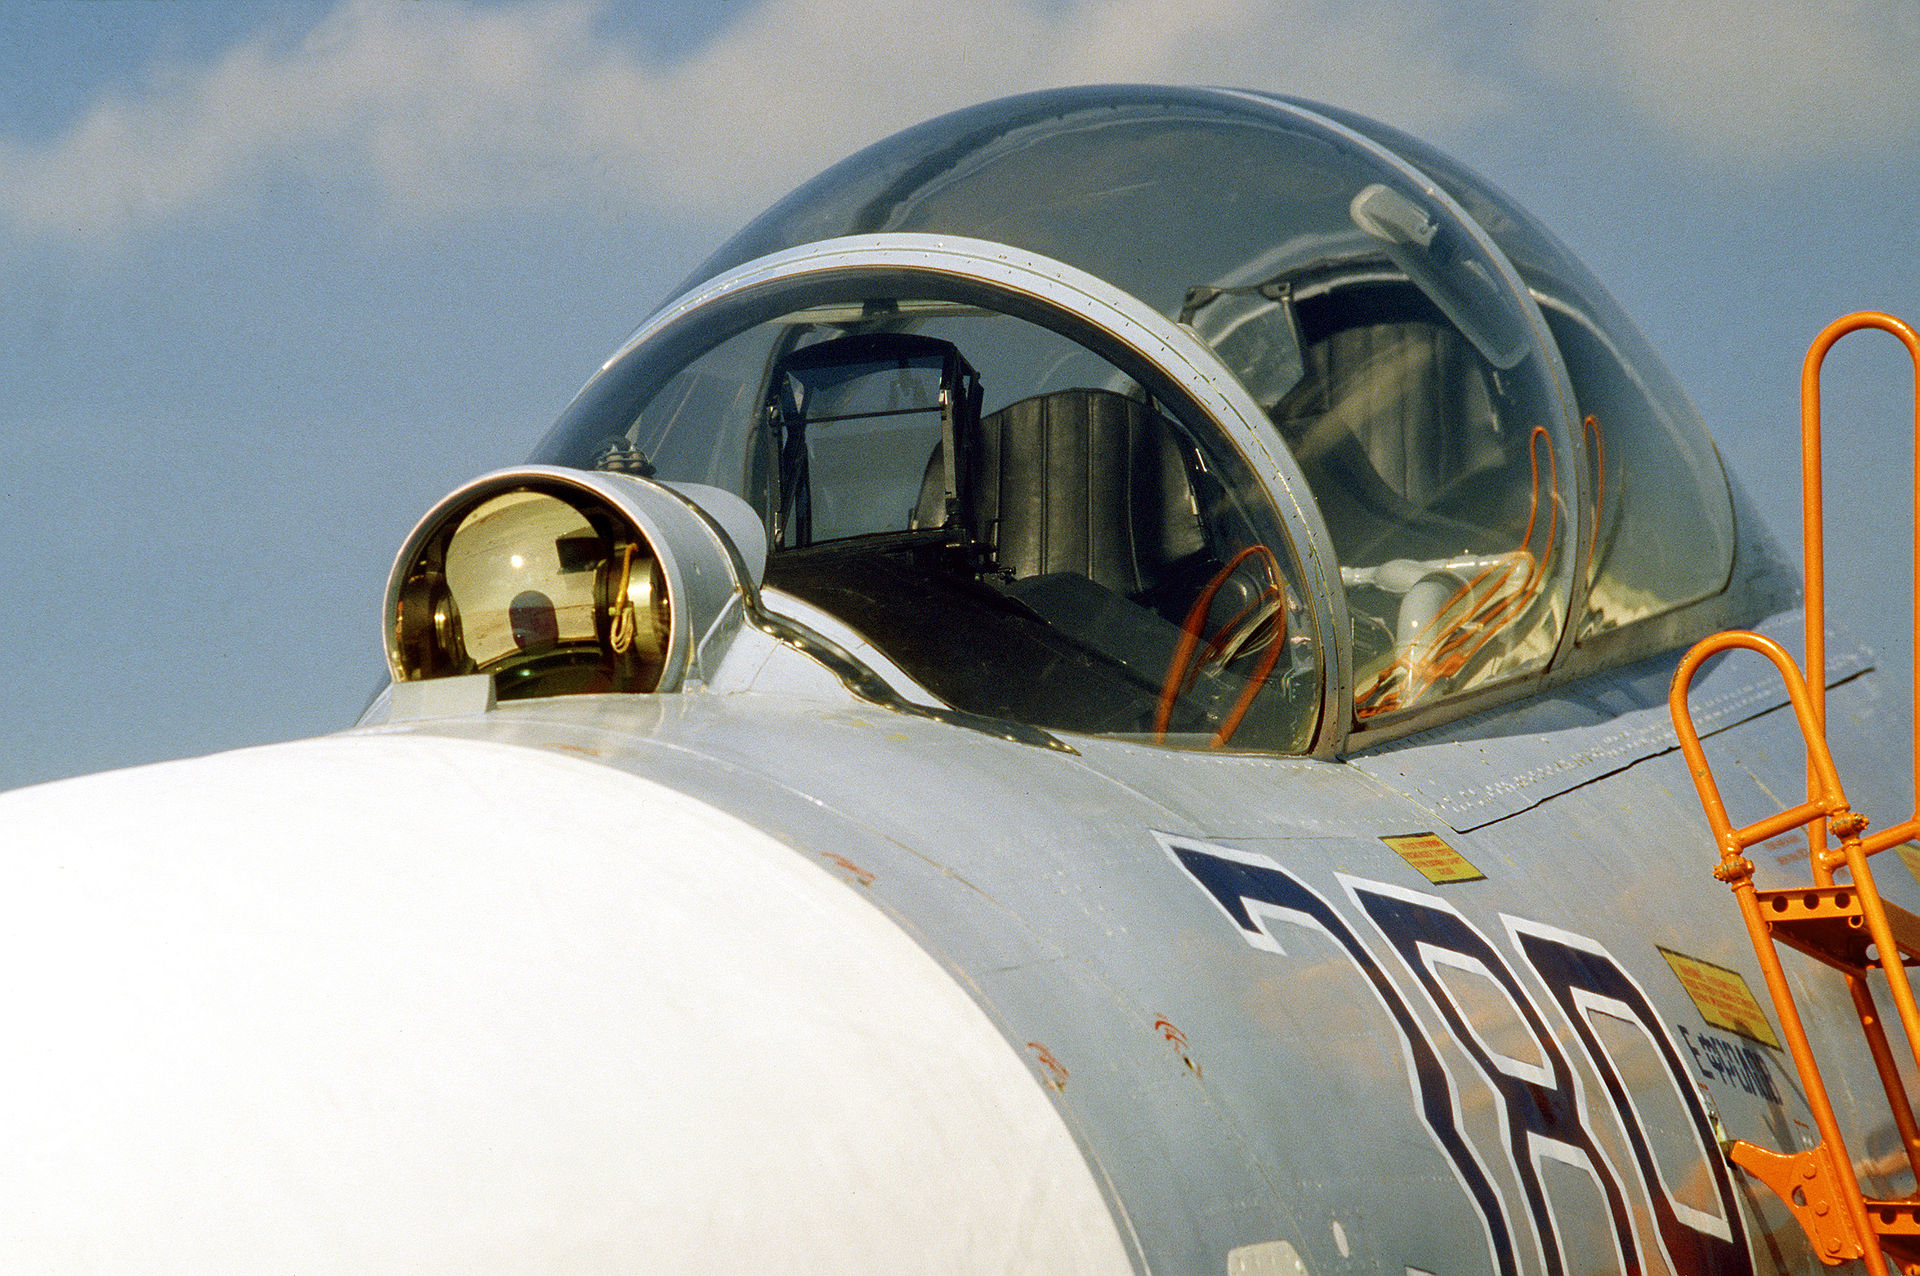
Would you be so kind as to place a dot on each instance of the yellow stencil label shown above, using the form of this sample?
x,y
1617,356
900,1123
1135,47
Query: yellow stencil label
x,y
1435,860
1722,997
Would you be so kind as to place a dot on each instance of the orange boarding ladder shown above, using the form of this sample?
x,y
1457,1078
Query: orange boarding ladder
x,y
1845,925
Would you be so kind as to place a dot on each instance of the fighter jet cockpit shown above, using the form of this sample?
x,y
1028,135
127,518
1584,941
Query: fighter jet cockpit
x,y
1193,417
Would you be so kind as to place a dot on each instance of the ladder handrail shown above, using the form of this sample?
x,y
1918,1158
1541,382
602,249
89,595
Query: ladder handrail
x,y
1826,800
1813,537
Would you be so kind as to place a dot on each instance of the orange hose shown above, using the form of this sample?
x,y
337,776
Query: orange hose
x,y
1184,668
1449,647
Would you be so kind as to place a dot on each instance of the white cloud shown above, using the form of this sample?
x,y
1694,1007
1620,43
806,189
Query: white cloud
x,y
429,109
426,111
1745,81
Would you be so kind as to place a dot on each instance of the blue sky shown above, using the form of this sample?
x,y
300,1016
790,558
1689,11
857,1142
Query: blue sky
x,y
279,275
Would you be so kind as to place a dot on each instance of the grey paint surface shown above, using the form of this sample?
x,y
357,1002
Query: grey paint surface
x,y
1229,1096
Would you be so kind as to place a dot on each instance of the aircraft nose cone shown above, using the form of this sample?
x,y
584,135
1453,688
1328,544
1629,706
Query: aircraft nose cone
x,y
404,1003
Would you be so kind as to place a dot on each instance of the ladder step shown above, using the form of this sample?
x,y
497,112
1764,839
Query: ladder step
x,y
1827,924
1895,1218
1897,1224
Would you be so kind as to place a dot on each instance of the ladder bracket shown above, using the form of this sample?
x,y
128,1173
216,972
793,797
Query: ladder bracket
x,y
1809,1184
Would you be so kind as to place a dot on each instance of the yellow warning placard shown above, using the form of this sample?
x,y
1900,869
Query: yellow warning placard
x,y
1722,997
1435,860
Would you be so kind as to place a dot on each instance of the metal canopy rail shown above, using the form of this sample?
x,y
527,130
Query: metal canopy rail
x,y
1844,925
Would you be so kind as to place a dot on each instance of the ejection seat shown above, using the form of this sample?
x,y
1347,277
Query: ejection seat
x,y
1442,513
1093,512
1400,439
1083,483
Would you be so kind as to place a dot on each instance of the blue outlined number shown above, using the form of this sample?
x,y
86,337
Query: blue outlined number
x,y
1545,1110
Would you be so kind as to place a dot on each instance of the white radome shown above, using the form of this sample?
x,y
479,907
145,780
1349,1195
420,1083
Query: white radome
x,y
399,1003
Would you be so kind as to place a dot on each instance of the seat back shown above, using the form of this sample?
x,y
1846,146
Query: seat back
x,y
1084,481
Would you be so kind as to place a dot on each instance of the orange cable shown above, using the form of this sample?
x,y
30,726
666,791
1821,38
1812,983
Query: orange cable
x,y
1184,668
1447,648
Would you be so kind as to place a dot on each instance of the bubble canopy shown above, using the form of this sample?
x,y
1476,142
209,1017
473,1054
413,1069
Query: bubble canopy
x,y
1190,416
